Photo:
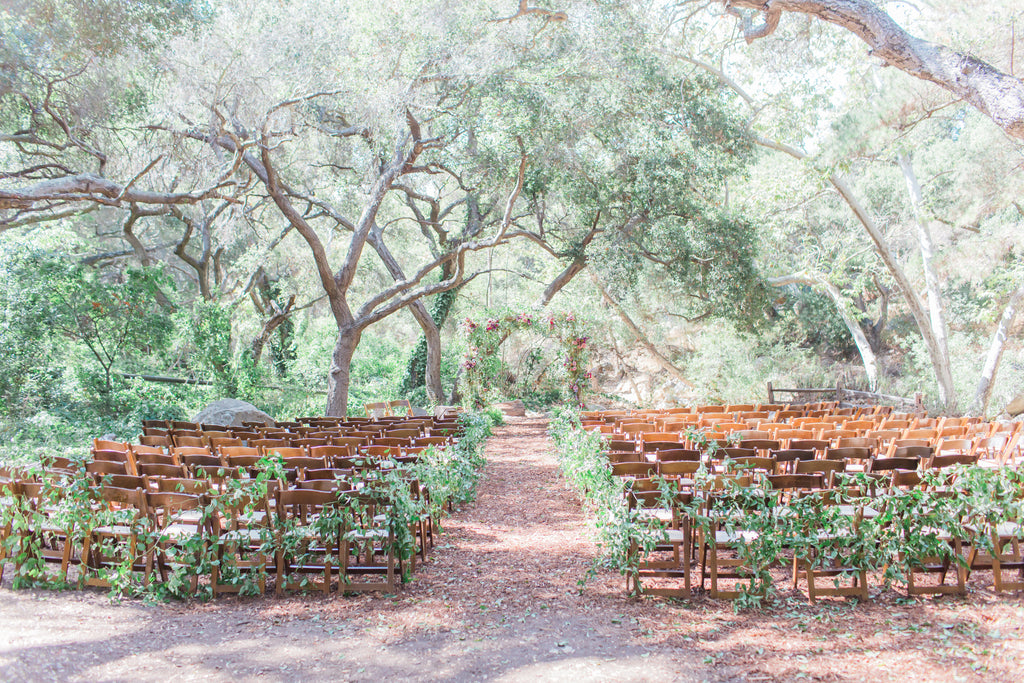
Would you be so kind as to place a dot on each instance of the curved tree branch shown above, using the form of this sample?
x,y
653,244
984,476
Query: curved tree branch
x,y
998,95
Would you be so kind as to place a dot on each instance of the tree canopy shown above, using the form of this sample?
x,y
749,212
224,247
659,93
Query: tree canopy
x,y
283,182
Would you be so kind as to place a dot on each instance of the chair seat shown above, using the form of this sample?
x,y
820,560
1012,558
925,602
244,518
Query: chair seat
x,y
739,535
660,514
114,530
365,534
675,536
255,518
241,535
1010,530
51,527
939,534
179,531
851,510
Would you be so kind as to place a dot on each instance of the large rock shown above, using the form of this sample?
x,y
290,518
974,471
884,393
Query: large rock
x,y
1016,406
231,412
512,408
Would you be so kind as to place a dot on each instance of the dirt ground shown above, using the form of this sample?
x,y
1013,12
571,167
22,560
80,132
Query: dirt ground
x,y
498,600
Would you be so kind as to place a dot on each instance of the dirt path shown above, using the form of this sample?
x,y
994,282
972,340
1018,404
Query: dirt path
x,y
498,600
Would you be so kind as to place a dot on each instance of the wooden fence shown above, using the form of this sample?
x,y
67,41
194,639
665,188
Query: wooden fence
x,y
845,397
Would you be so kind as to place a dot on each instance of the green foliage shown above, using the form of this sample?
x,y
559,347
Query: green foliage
x,y
732,365
58,311
206,334
808,319
452,474
582,458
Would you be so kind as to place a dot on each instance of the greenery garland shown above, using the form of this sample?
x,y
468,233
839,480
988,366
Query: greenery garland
x,y
911,527
448,475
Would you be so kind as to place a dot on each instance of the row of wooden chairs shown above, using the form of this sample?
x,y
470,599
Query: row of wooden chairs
x,y
680,465
667,568
1000,443
133,457
211,434
151,531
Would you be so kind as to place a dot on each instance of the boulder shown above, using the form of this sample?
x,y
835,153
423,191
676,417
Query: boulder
x,y
231,412
512,408
1016,406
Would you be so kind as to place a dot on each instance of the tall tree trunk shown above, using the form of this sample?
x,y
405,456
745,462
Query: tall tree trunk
x,y
432,341
340,374
983,394
937,319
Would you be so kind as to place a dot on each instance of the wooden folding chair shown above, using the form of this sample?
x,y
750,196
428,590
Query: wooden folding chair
x,y
180,535
925,516
377,409
240,543
307,531
110,546
668,561
41,535
722,536
841,532
368,560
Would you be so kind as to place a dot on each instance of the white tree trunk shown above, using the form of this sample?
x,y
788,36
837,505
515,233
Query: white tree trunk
x,y
867,355
983,394
910,296
937,318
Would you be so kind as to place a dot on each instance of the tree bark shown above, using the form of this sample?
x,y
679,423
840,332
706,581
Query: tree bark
x,y
432,335
910,296
556,285
340,374
278,317
947,390
86,187
638,334
998,95
983,394
867,354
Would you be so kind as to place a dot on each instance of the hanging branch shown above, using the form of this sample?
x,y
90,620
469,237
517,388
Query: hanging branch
x,y
524,10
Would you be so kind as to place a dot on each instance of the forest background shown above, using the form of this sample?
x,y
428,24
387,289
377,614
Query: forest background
x,y
301,204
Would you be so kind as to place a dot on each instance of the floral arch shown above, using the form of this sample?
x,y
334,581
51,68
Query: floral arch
x,y
488,376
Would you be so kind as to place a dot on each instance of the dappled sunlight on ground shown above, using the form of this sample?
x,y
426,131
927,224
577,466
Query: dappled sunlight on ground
x,y
499,600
